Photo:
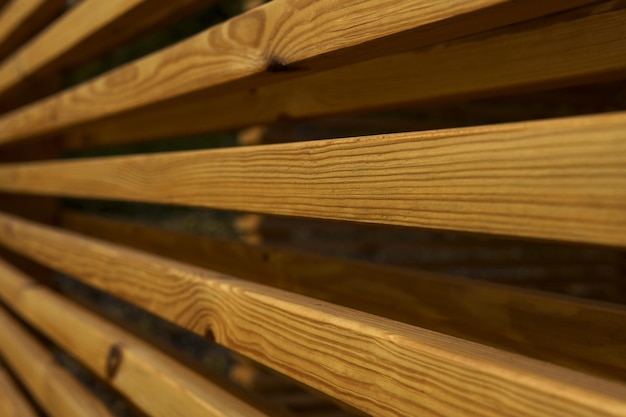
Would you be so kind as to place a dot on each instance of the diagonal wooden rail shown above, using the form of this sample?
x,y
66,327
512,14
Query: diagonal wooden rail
x,y
284,38
342,352
534,179
54,388
90,28
570,332
13,403
20,19
574,47
157,384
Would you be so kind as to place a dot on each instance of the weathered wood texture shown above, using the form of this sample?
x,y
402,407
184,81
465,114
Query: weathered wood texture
x,y
288,37
21,19
55,390
154,382
13,403
377,365
87,30
574,47
534,179
565,331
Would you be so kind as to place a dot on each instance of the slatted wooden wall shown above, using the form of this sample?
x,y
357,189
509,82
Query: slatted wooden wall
x,y
338,252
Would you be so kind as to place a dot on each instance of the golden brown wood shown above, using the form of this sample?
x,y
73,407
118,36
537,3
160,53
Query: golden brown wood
x,y
251,4
377,365
37,208
56,391
464,308
282,39
20,19
87,30
576,47
12,402
260,382
533,179
154,382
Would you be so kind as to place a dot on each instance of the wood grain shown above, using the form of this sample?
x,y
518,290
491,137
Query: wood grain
x,y
562,179
12,402
89,29
380,366
37,208
21,19
56,391
575,47
281,39
570,332
154,382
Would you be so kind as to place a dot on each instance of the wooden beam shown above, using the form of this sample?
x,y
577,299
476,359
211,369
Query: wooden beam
x,y
464,308
571,48
38,208
273,42
380,366
87,30
157,384
12,402
562,179
56,391
21,19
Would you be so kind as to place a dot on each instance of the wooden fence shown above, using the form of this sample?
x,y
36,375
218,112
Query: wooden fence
x,y
394,329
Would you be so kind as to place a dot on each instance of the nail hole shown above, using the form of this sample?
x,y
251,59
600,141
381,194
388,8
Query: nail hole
x,y
209,335
114,360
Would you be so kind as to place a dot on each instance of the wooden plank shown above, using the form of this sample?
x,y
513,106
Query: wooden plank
x,y
154,382
21,19
463,308
380,366
276,41
37,208
534,179
56,391
87,30
12,402
572,48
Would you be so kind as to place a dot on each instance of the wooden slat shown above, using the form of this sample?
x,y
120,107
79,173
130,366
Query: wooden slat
x,y
12,402
288,37
37,208
575,47
561,179
56,391
464,308
21,19
87,30
155,383
380,366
